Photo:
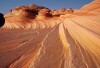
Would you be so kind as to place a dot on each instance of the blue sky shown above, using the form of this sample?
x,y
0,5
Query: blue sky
x,y
6,5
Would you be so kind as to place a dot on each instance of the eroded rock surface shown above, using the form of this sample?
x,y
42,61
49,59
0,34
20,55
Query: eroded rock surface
x,y
67,41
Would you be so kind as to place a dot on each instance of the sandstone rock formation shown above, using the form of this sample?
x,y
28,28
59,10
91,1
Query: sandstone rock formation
x,y
43,13
62,11
92,7
68,41
26,11
27,16
55,13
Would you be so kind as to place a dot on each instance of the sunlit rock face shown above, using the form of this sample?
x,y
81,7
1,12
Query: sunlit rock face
x,y
92,7
67,41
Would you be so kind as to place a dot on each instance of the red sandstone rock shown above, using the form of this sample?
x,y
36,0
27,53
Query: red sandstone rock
x,y
71,40
92,7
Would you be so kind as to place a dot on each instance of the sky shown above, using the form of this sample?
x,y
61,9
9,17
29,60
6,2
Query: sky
x,y
6,5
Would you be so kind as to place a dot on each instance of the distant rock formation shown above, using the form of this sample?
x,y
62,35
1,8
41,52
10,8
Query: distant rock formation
x,y
44,13
55,13
26,11
62,11
31,11
24,16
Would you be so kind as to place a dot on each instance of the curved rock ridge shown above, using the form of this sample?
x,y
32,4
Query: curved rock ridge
x,y
93,6
26,23
70,40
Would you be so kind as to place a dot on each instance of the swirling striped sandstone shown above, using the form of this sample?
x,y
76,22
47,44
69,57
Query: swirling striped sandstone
x,y
72,41
92,7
